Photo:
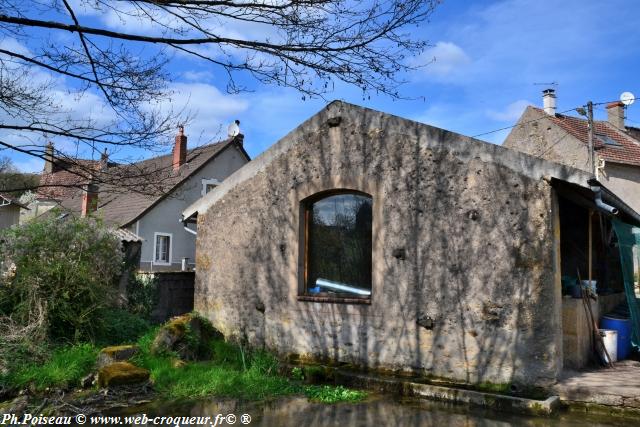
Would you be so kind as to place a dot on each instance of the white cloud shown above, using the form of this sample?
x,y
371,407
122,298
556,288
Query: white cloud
x,y
511,112
197,76
444,61
209,109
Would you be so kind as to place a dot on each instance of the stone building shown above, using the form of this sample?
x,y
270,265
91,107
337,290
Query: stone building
x,y
563,139
365,238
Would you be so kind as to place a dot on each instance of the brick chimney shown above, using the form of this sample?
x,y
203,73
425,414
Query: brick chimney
x,y
104,160
48,158
180,149
549,101
615,113
89,199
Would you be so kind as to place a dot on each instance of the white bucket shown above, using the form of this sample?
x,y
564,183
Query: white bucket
x,y
610,338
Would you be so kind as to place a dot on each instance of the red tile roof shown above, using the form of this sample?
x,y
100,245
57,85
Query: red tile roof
x,y
64,183
626,152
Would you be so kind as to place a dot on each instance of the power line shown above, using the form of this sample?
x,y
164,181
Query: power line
x,y
523,123
541,118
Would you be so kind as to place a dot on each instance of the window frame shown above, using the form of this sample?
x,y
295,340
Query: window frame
x,y
206,182
155,245
306,207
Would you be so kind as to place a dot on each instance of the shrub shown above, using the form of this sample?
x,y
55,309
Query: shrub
x,y
58,275
117,326
142,294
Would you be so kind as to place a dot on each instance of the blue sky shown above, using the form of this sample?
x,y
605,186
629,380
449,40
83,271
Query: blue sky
x,y
489,58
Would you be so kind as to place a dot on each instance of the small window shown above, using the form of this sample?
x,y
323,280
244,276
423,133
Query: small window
x,y
607,140
162,248
208,185
338,243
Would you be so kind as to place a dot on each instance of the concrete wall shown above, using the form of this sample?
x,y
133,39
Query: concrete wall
x,y
475,222
9,215
164,217
624,180
537,136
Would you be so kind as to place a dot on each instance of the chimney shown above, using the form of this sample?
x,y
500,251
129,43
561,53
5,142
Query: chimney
x,y
549,101
180,149
89,199
104,160
48,158
615,112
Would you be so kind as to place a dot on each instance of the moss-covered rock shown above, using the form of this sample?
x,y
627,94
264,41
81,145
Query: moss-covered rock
x,y
121,373
118,353
189,336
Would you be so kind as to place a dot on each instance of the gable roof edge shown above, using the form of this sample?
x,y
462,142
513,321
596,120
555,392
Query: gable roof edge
x,y
231,142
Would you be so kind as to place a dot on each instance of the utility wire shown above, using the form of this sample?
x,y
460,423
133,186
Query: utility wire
x,y
541,118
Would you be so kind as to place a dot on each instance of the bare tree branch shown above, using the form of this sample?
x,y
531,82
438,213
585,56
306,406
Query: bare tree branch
x,y
307,45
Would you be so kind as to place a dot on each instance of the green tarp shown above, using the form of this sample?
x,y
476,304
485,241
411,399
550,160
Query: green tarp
x,y
628,238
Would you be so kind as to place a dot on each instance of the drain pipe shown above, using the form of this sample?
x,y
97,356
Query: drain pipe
x,y
184,224
600,204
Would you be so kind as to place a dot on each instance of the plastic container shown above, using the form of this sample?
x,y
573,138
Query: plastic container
x,y
623,327
610,338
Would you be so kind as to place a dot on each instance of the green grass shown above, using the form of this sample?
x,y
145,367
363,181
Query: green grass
x,y
333,394
232,372
66,367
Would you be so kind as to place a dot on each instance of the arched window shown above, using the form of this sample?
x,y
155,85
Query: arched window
x,y
338,240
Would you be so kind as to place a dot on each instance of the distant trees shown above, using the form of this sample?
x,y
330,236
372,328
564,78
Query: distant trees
x,y
10,178
121,60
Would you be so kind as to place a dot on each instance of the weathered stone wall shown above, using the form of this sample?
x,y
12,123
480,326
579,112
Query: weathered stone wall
x,y
476,225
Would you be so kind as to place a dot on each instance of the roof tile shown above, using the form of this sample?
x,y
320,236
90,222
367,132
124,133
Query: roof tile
x,y
626,152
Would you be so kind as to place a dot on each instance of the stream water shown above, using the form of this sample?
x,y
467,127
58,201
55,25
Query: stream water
x,y
379,410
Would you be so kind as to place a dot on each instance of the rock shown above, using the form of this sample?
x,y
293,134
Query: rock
x,y
189,335
178,363
17,405
118,353
88,380
121,373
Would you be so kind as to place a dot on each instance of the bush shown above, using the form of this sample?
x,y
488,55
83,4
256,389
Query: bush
x,y
142,294
57,276
117,326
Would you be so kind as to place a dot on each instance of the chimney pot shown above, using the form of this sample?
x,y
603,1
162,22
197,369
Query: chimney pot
x,y
549,101
615,114
180,149
89,199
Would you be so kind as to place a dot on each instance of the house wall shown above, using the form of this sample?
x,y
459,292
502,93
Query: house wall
x,y
164,217
623,180
535,135
9,215
479,252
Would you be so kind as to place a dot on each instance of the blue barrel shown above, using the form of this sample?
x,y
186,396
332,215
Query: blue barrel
x,y
623,326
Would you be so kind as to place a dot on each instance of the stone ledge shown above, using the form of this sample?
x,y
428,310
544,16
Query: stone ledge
x,y
494,401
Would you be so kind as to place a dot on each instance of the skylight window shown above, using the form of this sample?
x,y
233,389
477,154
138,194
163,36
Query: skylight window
x,y
606,140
